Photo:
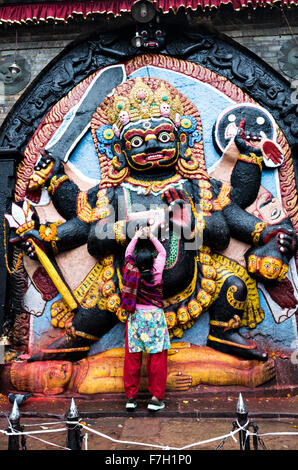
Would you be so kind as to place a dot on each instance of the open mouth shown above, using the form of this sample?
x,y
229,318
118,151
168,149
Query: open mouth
x,y
152,157
271,275
232,130
151,44
144,158
251,142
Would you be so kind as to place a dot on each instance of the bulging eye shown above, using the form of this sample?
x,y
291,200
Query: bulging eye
x,y
231,118
164,137
260,120
136,141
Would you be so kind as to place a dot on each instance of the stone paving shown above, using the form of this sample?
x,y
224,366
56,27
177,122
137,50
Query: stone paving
x,y
156,432
186,420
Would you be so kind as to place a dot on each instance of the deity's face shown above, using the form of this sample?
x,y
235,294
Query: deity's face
x,y
270,209
270,267
54,376
183,315
171,319
7,76
150,144
153,36
194,308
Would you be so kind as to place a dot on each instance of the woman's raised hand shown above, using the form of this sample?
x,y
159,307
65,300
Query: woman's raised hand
x,y
140,233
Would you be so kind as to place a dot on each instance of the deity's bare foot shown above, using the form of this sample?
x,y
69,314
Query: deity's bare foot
x,y
233,343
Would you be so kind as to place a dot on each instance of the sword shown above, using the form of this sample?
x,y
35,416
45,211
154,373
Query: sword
x,y
21,219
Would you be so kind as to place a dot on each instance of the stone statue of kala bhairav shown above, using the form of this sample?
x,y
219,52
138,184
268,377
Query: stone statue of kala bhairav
x,y
149,141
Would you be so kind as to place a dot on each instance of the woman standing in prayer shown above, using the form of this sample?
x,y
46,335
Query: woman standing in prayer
x,y
146,329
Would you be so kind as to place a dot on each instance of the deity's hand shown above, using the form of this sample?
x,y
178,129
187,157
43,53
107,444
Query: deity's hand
x,y
47,167
29,249
258,145
45,236
272,152
286,239
247,143
27,243
179,208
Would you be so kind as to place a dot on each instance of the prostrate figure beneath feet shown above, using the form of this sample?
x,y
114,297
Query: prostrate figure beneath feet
x,y
188,366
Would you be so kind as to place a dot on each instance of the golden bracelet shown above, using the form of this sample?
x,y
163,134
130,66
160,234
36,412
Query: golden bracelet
x,y
256,234
223,198
118,230
55,183
233,323
55,248
251,158
25,228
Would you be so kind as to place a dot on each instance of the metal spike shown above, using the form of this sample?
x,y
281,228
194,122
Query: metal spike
x,y
72,411
241,406
14,414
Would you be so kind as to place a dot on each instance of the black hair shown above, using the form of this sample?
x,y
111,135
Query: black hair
x,y
144,263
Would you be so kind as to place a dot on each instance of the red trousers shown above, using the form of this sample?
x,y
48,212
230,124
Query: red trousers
x,y
157,367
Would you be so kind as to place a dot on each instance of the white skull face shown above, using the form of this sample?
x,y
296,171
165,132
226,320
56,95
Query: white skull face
x,y
124,117
164,109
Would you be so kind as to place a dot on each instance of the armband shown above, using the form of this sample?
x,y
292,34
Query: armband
x,y
256,234
55,183
118,228
251,158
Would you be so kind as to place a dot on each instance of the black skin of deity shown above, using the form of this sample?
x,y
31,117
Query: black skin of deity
x,y
231,221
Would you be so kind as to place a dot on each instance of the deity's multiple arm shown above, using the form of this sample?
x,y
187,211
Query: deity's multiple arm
x,y
49,174
208,223
219,218
242,224
271,246
247,172
216,233
245,181
92,216
58,236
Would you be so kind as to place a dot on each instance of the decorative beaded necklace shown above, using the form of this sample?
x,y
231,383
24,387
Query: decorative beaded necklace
x,y
157,187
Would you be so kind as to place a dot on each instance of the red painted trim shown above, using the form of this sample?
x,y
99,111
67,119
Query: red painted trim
x,y
65,10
